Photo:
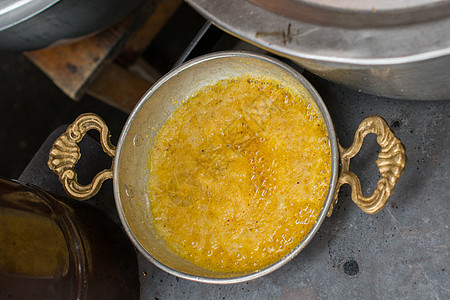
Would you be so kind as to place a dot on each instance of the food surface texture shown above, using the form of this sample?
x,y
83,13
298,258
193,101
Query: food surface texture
x,y
239,174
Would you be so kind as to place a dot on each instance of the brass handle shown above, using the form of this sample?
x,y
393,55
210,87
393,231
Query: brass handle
x,y
391,163
65,154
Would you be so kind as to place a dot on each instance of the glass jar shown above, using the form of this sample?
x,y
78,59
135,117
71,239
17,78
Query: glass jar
x,y
54,248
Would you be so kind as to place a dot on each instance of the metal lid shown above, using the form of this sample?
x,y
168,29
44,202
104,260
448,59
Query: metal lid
x,y
375,32
369,5
13,12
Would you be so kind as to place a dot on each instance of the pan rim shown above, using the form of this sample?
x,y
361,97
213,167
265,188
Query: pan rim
x,y
327,203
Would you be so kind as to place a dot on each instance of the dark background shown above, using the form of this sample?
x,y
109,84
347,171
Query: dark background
x,y
31,106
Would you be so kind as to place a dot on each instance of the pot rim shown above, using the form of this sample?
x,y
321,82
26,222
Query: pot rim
x,y
16,12
327,203
368,45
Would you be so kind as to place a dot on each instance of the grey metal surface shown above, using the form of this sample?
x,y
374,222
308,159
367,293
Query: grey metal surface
x,y
16,11
399,53
401,252
42,23
369,14
369,5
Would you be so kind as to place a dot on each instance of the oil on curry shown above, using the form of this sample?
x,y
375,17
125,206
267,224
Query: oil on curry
x,y
239,174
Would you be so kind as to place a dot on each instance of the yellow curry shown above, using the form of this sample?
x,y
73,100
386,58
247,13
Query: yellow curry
x,y
239,174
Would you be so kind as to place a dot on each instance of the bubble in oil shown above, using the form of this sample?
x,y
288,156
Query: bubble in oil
x,y
302,213
274,162
263,181
129,190
138,140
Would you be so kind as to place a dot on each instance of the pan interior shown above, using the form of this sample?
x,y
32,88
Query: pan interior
x,y
131,165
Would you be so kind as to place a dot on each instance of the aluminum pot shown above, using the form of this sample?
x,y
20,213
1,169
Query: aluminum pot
x,y
29,25
398,49
130,167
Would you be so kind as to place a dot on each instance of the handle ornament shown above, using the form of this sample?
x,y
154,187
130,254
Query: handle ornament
x,y
65,154
391,163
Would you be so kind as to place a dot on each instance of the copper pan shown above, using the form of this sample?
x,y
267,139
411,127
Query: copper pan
x,y
130,166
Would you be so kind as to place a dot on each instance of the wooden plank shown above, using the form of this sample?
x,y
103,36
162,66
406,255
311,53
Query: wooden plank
x,y
86,66
72,66
119,87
